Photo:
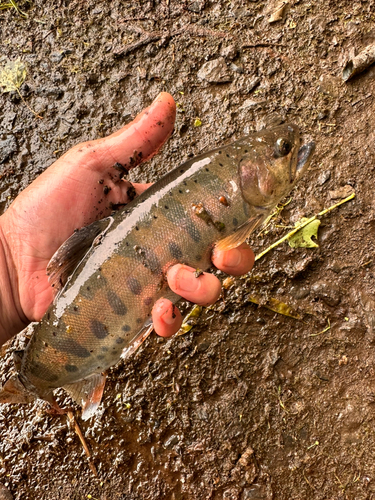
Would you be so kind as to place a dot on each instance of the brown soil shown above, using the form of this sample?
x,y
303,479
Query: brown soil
x,y
249,405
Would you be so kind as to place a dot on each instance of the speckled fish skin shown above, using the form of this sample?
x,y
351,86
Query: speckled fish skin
x,y
179,219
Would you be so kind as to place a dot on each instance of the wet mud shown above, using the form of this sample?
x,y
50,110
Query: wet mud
x,y
250,404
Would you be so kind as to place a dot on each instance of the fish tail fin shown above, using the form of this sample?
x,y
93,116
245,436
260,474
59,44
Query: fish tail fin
x,y
13,391
87,393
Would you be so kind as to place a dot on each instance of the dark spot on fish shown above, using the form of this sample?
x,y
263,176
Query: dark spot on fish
x,y
147,301
75,310
207,170
180,191
195,180
42,371
178,216
98,329
155,217
134,286
235,221
182,171
119,340
54,334
73,347
136,228
220,226
45,344
166,207
117,305
139,320
100,357
246,151
227,155
71,368
220,164
48,315
219,152
175,250
131,194
126,328
106,189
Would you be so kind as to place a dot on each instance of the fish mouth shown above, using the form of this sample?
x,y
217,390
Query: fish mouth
x,y
304,156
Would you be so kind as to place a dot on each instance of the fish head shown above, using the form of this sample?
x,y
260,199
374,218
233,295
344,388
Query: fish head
x,y
274,162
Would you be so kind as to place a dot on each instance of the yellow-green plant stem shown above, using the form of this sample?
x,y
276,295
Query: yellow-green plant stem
x,y
305,223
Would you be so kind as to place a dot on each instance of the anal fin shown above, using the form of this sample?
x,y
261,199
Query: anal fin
x,y
239,236
87,393
138,340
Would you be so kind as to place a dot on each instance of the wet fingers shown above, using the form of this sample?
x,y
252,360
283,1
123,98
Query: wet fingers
x,y
166,318
201,288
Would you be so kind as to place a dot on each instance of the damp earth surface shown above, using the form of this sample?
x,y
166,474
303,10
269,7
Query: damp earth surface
x,y
250,404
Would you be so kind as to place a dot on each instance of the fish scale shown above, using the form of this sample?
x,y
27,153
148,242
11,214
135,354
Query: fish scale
x,y
219,198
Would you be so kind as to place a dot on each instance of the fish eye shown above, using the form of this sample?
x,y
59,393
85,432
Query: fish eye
x,y
283,147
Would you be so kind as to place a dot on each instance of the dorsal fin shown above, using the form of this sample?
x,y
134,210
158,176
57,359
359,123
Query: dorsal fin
x,y
87,393
242,233
73,250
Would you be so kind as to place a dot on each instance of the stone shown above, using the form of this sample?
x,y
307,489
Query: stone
x,y
215,71
8,146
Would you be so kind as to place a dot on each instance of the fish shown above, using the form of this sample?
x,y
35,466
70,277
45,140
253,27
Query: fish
x,y
108,275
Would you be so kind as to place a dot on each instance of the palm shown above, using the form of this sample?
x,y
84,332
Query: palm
x,y
76,190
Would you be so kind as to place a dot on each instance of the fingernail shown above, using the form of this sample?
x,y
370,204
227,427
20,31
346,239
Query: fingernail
x,y
187,282
169,317
157,97
232,258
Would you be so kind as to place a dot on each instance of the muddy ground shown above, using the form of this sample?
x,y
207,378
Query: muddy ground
x,y
250,404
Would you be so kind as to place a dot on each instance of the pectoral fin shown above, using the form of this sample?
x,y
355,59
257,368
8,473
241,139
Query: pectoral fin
x,y
73,250
234,240
87,393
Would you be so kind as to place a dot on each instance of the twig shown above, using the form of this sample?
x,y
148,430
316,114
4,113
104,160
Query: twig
x,y
155,36
83,442
300,226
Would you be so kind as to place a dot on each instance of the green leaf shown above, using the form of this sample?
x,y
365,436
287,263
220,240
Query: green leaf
x,y
12,75
303,237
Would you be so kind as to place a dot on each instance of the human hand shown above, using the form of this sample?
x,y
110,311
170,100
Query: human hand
x,y
79,188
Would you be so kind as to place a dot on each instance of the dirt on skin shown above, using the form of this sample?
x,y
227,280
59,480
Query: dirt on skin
x,y
250,405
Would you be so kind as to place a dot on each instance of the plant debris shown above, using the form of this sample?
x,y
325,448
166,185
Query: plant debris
x,y
359,63
275,305
303,238
301,224
12,76
190,320
278,12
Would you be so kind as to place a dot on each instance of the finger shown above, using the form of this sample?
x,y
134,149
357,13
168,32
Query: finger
x,y
137,141
166,318
237,261
184,280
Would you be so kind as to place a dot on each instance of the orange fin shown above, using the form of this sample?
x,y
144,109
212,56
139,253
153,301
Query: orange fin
x,y
73,250
87,393
13,391
234,240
